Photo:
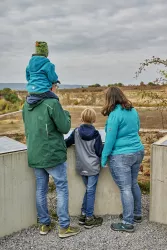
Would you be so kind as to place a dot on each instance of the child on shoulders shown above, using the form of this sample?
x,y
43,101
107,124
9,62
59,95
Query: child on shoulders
x,y
40,73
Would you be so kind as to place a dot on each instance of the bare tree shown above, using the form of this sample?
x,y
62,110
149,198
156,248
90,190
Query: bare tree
x,y
159,99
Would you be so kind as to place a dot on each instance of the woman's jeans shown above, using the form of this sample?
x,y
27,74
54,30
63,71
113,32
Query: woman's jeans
x,y
89,197
124,170
59,174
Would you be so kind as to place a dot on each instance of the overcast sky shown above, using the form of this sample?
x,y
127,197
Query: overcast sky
x,y
90,41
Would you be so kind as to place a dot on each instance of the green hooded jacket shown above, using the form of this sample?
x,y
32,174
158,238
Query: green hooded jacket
x,y
45,123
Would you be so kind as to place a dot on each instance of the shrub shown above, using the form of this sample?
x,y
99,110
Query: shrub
x,y
9,95
3,105
10,101
116,84
76,102
95,85
151,84
5,91
145,187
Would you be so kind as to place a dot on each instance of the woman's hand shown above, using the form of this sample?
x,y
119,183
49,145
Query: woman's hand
x,y
103,162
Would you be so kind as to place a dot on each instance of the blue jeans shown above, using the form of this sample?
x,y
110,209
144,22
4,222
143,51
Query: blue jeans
x,y
89,197
124,170
59,174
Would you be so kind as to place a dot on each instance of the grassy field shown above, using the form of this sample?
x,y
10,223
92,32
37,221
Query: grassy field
x,y
150,119
95,96
12,126
151,115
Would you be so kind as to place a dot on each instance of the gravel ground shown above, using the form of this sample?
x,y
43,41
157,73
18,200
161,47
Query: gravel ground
x,y
148,236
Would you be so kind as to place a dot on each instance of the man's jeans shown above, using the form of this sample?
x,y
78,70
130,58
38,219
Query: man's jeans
x,y
89,197
59,174
124,170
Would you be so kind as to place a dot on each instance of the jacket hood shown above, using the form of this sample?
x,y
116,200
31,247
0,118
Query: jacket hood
x,y
34,105
37,62
87,132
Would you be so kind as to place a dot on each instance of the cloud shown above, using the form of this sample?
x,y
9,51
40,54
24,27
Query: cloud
x,y
89,40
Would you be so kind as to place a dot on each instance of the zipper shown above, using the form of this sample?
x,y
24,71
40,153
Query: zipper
x,y
47,130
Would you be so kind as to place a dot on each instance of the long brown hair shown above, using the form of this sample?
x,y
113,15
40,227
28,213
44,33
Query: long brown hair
x,y
113,97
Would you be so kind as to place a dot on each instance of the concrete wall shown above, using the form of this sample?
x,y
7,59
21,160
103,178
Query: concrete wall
x,y
158,195
107,195
17,190
17,193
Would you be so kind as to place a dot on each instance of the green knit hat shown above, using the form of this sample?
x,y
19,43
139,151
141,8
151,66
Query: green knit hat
x,y
41,48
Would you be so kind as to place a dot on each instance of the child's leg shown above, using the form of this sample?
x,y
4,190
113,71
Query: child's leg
x,y
46,95
50,94
91,192
91,220
82,217
83,209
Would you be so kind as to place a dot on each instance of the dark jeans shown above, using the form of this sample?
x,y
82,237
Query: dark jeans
x,y
124,170
89,197
46,95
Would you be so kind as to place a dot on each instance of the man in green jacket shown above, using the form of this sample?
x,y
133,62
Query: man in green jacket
x,y
45,123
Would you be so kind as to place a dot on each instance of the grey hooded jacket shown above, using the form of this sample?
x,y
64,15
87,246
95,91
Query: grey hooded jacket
x,y
88,149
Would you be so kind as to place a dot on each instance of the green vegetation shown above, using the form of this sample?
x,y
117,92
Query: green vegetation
x,y
52,186
119,84
9,101
152,84
9,95
145,187
95,85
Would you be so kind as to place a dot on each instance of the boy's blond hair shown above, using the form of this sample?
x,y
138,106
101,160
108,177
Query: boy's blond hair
x,y
88,115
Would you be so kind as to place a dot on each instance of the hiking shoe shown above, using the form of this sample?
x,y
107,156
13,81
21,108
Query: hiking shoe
x,y
122,227
137,219
82,219
67,232
93,222
44,229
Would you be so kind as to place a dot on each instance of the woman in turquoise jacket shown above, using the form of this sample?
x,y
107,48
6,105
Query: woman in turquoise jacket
x,y
125,152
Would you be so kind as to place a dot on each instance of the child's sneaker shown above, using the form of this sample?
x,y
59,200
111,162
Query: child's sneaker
x,y
44,229
137,219
67,232
82,219
93,222
122,227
